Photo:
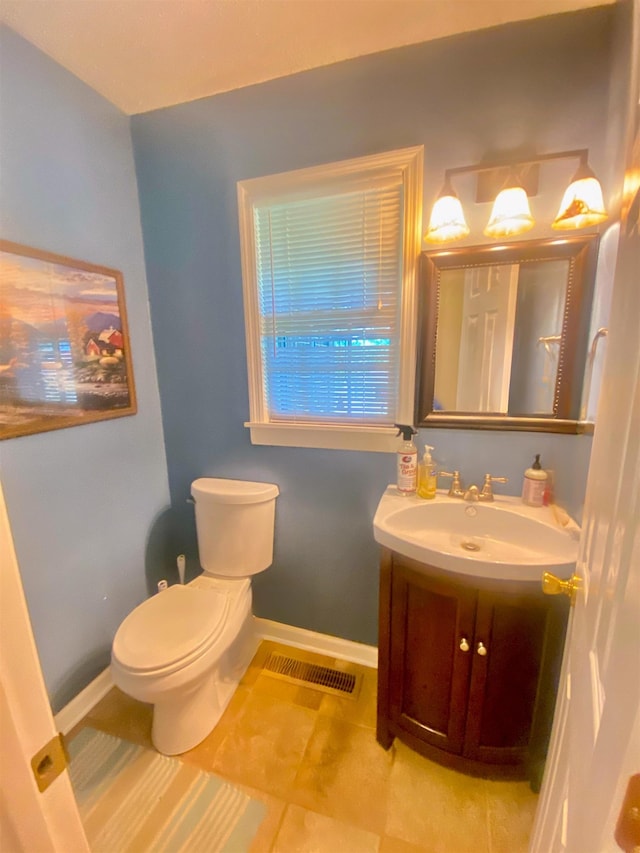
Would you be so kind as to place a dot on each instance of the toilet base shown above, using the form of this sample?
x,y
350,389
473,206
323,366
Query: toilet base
x,y
182,720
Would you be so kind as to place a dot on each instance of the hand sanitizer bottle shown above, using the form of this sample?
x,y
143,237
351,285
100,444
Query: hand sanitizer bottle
x,y
427,477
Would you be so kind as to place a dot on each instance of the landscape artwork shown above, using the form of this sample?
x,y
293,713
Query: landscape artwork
x,y
64,344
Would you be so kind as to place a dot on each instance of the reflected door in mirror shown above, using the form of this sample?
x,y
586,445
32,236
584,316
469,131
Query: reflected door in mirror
x,y
484,323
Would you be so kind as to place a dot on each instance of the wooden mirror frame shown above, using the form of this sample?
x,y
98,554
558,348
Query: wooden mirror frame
x,y
582,253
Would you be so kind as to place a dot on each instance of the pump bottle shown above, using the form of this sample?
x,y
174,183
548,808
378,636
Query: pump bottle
x,y
534,484
407,461
427,477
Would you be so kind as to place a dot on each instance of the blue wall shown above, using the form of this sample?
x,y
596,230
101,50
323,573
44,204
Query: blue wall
x,y
82,502
537,86
89,505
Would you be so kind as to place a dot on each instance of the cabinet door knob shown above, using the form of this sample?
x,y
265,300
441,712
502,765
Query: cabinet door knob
x,y
482,649
464,645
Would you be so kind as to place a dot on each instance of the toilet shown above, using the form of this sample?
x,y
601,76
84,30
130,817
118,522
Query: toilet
x,y
185,649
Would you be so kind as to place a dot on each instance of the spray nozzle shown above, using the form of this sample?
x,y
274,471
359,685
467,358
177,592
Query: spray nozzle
x,y
427,452
536,465
406,431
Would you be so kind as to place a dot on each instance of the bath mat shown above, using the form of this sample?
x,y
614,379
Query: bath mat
x,y
134,800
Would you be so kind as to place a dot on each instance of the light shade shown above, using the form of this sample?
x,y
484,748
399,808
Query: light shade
x,y
447,220
582,204
510,215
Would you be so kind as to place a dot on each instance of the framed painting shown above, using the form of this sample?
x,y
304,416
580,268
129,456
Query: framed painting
x,y
65,358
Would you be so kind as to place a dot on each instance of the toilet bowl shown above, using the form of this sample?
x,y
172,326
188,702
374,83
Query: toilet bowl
x,y
185,649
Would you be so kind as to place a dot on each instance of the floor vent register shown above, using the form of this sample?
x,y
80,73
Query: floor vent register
x,y
323,678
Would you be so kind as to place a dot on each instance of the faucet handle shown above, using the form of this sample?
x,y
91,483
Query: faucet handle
x,y
487,490
456,490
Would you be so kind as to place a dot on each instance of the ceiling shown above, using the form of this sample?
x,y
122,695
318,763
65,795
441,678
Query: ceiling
x,y
146,54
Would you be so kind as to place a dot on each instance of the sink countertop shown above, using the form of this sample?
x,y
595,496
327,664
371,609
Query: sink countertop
x,y
503,539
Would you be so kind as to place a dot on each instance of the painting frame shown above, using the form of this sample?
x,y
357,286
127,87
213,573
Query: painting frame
x,y
65,352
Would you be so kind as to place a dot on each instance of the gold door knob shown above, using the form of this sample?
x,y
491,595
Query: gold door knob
x,y
552,585
482,649
464,645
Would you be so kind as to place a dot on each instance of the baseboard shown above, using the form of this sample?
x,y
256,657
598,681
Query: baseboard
x,y
299,638
81,704
323,644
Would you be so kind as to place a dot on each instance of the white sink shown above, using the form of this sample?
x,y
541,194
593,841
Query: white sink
x,y
502,540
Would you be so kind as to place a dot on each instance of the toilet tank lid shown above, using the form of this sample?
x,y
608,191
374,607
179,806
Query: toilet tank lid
x,y
233,491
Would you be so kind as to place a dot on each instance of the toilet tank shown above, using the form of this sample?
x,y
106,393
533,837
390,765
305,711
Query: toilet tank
x,y
235,525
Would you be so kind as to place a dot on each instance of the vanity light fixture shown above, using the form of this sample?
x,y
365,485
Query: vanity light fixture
x,y
510,214
582,204
447,221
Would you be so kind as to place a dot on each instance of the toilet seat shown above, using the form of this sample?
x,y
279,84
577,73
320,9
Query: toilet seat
x,y
169,630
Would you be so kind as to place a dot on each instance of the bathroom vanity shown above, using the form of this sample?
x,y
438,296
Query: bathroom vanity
x,y
469,651
467,671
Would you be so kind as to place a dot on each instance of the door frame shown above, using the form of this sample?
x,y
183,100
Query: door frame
x,y
29,819
581,813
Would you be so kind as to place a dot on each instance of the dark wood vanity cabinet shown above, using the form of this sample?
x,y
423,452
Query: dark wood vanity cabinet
x,y
467,668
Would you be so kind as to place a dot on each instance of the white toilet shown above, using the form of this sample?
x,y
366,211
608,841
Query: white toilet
x,y
185,649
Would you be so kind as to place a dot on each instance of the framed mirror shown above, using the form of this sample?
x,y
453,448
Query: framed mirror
x,y
502,335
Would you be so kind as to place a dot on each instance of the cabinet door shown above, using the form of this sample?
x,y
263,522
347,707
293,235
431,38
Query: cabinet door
x,y
507,652
432,624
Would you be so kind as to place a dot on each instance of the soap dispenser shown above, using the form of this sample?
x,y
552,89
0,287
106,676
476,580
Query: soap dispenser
x,y
427,477
534,484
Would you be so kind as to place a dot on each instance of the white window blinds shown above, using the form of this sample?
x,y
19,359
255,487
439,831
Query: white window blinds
x,y
329,279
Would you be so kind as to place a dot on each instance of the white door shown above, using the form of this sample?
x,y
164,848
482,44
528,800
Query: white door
x,y
29,820
596,741
486,342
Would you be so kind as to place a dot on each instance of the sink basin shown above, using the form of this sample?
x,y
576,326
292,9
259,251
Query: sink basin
x,y
502,540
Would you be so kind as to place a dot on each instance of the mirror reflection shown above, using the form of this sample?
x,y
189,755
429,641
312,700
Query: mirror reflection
x,y
503,334
499,335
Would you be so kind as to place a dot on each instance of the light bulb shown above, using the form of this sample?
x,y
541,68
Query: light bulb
x,y
510,214
447,220
582,204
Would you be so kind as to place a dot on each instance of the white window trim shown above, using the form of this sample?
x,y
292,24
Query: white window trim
x,y
258,190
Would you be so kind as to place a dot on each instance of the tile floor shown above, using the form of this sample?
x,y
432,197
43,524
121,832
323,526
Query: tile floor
x,y
314,760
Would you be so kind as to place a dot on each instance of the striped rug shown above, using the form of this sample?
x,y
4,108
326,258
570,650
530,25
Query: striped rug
x,y
134,800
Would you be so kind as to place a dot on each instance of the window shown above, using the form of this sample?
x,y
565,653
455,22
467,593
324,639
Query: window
x,y
329,260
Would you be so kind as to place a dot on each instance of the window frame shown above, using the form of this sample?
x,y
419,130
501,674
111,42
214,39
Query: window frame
x,y
259,191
